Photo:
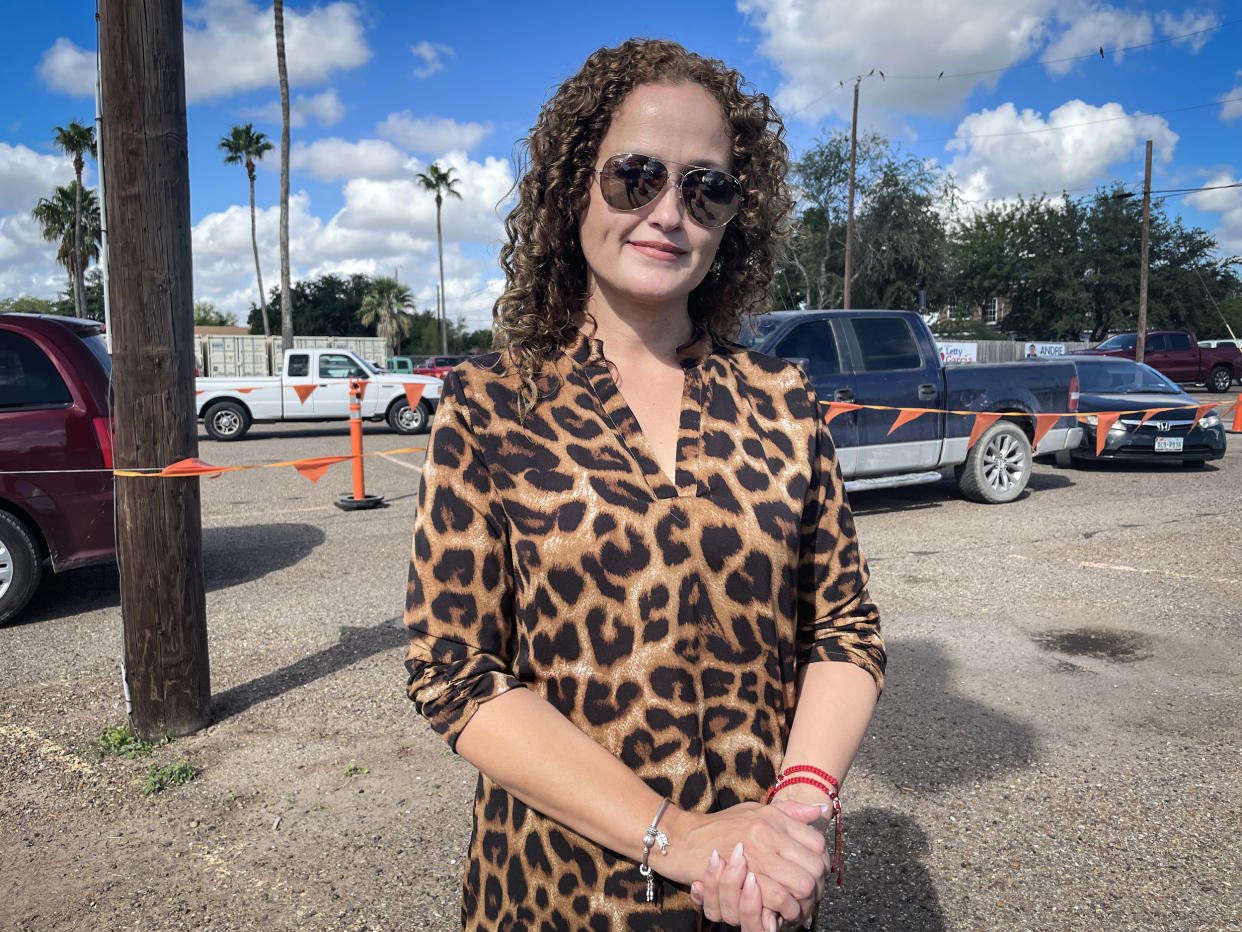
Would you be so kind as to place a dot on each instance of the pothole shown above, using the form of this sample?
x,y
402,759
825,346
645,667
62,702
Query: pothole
x,y
1097,643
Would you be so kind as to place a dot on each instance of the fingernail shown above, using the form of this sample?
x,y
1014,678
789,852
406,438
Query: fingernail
x,y
750,881
713,863
772,927
737,853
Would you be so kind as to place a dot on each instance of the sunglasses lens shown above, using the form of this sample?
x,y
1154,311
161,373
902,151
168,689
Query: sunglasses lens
x,y
629,182
712,198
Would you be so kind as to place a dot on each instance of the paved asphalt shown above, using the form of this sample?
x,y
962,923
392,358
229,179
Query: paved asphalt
x,y
1058,746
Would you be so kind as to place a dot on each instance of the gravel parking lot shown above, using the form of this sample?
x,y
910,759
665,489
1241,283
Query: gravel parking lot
x,y
1058,746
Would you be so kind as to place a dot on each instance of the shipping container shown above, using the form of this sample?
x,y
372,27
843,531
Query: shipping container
x,y
230,356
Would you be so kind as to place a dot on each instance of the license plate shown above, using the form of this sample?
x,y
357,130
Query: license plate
x,y
1169,444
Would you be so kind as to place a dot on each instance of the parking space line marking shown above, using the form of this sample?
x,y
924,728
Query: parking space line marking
x,y
393,459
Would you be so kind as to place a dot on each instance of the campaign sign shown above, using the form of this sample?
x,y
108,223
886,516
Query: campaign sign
x,y
1037,350
953,353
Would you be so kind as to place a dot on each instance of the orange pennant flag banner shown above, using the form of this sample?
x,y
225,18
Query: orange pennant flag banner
x,y
362,388
413,393
905,416
246,391
1043,424
838,407
1103,424
192,467
1150,413
304,392
313,469
982,422
1202,411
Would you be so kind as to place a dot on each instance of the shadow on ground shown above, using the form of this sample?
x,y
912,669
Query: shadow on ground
x,y
926,735
886,885
356,643
231,556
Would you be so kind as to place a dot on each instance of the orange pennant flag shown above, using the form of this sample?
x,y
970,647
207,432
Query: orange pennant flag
x,y
838,407
313,469
245,391
1103,424
192,467
413,392
905,415
1043,424
304,392
1150,413
982,422
1202,411
362,388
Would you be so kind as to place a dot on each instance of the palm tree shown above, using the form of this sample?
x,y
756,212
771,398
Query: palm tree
x,y
78,241
286,299
242,146
387,305
76,140
442,182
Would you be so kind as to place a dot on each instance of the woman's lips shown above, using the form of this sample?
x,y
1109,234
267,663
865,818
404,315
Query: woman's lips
x,y
657,250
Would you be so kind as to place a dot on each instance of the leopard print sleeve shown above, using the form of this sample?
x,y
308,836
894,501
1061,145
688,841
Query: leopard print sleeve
x,y
836,618
458,605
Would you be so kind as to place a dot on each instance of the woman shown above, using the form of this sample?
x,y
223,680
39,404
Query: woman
x,y
632,546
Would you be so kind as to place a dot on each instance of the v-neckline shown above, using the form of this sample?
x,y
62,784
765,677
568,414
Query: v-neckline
x,y
588,353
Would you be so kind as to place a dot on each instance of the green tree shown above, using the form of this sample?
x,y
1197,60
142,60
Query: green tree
x,y
325,306
76,140
26,304
899,231
442,182
282,72
76,243
206,315
243,146
93,292
386,307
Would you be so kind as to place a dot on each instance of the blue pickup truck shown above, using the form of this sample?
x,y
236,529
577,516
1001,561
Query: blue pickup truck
x,y
886,361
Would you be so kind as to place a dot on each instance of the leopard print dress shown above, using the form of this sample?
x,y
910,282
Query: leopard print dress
x,y
667,619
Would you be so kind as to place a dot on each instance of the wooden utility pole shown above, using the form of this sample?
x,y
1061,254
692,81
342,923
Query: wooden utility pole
x,y
1141,336
849,217
158,521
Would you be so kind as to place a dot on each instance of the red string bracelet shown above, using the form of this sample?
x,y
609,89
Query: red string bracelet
x,y
784,780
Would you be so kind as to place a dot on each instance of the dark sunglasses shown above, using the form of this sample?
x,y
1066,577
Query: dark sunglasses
x,y
630,181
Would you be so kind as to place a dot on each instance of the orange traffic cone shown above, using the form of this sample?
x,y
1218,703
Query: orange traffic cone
x,y
360,499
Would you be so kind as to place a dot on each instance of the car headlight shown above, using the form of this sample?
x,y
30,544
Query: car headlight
x,y
1210,420
1089,420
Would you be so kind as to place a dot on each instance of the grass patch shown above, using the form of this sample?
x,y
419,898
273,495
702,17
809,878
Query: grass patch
x,y
122,742
354,770
161,778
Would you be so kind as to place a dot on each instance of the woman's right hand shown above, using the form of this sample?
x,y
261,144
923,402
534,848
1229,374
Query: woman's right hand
x,y
787,856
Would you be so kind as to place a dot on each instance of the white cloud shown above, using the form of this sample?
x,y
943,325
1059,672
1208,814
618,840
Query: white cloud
x,y
1231,104
335,159
1004,153
26,175
386,223
431,135
27,262
326,109
230,46
817,43
1193,26
67,68
1228,203
431,54
1092,27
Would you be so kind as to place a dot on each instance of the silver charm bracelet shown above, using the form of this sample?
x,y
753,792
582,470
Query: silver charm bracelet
x,y
651,838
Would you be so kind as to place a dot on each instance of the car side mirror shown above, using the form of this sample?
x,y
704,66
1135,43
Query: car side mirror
x,y
802,362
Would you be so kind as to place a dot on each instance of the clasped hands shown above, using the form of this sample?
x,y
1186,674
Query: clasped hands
x,y
771,877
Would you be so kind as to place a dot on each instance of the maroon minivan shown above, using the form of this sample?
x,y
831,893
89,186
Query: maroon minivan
x,y
55,451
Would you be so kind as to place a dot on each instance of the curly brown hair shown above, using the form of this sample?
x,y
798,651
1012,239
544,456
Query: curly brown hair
x,y
545,271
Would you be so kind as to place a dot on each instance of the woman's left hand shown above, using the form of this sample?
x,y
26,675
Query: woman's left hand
x,y
729,893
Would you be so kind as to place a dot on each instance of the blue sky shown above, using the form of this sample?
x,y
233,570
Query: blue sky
x,y
381,88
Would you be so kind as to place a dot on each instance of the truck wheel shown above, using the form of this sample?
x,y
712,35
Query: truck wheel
x,y
226,420
406,420
1219,379
19,566
998,466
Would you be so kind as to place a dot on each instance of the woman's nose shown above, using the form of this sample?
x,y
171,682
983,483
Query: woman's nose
x,y
666,211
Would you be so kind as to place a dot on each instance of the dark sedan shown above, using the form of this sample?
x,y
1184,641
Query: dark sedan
x,y
1158,422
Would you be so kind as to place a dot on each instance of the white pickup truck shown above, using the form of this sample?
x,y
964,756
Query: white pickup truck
x,y
314,386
